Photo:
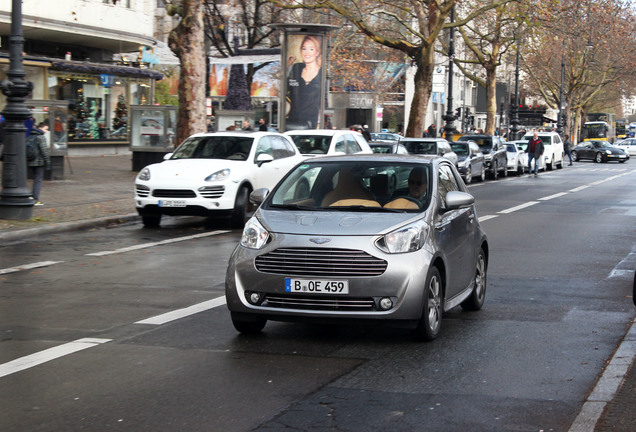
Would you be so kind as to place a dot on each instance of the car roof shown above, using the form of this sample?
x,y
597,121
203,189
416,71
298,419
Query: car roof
x,y
324,132
422,139
237,133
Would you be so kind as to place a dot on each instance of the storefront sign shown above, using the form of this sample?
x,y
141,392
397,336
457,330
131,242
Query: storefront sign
x,y
107,80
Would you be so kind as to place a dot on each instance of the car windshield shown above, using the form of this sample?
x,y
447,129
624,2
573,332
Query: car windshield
x,y
460,149
382,148
420,147
602,144
215,147
312,144
484,143
512,148
360,186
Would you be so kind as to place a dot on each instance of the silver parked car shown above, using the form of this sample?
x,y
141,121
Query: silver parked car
x,y
350,248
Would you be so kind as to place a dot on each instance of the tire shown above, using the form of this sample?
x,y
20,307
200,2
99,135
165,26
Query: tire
x,y
431,320
248,324
520,169
550,166
469,175
575,156
482,176
598,158
241,203
505,170
151,221
477,297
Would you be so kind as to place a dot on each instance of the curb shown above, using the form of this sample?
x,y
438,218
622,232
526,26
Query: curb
x,y
69,226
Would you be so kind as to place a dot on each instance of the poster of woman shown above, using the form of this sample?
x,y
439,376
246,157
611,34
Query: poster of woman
x,y
304,81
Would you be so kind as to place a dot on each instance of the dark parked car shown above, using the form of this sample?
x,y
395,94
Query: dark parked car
x,y
494,150
430,146
470,160
598,151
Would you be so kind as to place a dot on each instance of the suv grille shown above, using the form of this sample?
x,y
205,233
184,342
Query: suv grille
x,y
320,262
173,193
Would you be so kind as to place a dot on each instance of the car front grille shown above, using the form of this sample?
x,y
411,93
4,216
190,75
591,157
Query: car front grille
x,y
319,262
319,302
212,192
173,193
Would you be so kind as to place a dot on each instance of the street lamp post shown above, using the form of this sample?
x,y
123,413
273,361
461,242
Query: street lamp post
x,y
449,117
514,130
15,199
560,124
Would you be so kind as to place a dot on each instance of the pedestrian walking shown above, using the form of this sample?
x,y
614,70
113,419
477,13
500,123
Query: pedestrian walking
x,y
247,126
42,160
262,126
567,147
535,151
209,125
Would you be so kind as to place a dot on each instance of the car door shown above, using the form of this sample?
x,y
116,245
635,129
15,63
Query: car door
x,y
455,234
586,151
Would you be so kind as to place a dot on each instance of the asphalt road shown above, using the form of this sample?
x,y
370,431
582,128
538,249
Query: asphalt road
x,y
131,332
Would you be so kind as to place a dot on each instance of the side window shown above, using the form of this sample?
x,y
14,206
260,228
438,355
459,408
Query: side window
x,y
446,182
280,148
264,146
340,145
352,145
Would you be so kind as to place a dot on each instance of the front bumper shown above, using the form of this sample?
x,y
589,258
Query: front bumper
x,y
402,281
200,200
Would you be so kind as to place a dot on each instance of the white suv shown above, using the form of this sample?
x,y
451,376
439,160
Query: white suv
x,y
552,149
322,142
213,174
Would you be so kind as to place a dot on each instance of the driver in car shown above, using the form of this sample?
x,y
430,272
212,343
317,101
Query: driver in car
x,y
416,196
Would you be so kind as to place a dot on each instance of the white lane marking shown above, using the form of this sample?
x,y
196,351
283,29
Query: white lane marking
x,y
49,354
485,218
556,195
159,243
29,266
182,313
519,207
580,188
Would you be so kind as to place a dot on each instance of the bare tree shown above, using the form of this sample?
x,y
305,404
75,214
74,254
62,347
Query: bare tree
x,y
409,26
186,41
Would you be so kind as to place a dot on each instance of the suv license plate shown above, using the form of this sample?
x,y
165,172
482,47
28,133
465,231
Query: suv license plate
x,y
316,286
172,203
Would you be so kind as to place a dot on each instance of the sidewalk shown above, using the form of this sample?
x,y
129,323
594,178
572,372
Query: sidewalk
x,y
98,191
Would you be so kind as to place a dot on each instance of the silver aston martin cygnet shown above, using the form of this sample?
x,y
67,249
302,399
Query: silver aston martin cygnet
x,y
378,238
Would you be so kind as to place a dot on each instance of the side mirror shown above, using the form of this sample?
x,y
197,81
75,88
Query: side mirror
x,y
258,196
167,156
457,199
263,158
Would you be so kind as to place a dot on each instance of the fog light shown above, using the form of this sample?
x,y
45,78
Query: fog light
x,y
386,303
254,297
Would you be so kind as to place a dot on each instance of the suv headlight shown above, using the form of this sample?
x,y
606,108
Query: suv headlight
x,y
144,174
254,235
219,175
406,239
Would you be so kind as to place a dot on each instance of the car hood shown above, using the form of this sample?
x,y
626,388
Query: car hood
x,y
333,223
192,168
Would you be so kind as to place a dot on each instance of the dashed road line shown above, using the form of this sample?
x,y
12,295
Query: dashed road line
x,y
38,358
29,266
159,243
519,207
182,313
556,195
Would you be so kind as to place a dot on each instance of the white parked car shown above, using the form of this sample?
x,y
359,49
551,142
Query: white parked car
x,y
212,174
522,145
322,142
628,145
516,158
430,146
553,152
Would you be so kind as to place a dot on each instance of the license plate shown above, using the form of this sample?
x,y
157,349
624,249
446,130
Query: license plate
x,y
172,203
622,156
316,286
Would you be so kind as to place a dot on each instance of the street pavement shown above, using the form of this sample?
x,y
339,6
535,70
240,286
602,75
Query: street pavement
x,y
98,191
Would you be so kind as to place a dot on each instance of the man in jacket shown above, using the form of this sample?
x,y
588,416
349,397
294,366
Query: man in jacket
x,y
535,151
41,162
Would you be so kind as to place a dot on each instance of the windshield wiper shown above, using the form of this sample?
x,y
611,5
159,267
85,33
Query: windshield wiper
x,y
292,207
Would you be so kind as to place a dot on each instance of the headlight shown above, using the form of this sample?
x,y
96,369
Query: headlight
x,y
144,174
254,235
219,175
407,239
609,152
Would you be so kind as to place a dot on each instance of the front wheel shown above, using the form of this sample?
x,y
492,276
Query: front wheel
x,y
469,175
598,158
575,156
505,170
477,297
248,324
495,171
151,221
431,320
240,208
482,174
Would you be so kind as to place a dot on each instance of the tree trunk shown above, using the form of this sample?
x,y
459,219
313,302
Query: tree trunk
x,y
423,85
491,99
186,41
